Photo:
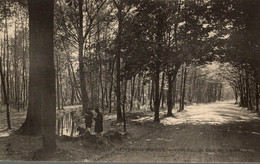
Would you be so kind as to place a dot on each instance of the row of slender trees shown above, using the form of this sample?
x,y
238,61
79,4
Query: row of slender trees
x,y
245,86
241,50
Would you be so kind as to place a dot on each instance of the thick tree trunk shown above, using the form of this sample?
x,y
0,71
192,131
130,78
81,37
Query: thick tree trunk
x,y
48,109
32,124
41,115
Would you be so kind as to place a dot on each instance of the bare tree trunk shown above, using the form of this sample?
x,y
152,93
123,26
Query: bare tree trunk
x,y
236,95
184,88
132,93
249,105
7,64
143,90
157,95
2,93
241,90
138,97
161,92
257,96
71,84
181,89
174,92
220,92
124,102
152,96
106,95
61,93
111,85
16,83
169,95
57,82
100,67
24,69
82,77
118,56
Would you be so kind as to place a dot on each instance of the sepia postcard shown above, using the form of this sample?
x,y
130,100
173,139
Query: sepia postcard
x,y
129,81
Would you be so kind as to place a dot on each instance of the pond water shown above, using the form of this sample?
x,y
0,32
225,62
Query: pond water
x,y
66,126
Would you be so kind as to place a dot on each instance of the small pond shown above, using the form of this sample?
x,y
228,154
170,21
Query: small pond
x,y
66,126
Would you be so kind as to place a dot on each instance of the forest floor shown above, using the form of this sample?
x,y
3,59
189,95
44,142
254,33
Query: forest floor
x,y
215,132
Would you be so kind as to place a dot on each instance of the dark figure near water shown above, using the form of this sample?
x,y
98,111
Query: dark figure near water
x,y
88,120
98,121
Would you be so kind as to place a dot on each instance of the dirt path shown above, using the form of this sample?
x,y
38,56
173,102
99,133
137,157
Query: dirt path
x,y
217,132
